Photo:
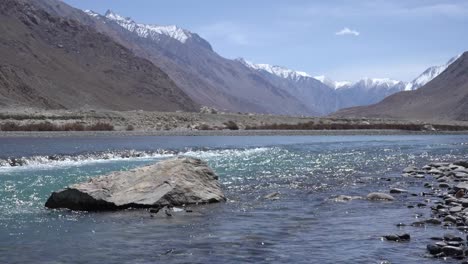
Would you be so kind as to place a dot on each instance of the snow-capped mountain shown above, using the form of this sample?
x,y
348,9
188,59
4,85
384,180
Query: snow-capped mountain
x,y
204,75
429,74
153,32
276,70
331,83
318,97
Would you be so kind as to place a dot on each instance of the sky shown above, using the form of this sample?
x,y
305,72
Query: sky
x,y
341,39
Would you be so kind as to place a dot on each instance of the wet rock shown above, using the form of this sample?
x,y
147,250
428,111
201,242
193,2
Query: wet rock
x,y
455,209
419,224
433,221
461,163
434,249
398,238
346,198
398,190
380,196
171,182
450,218
450,237
272,196
410,169
444,185
461,186
452,251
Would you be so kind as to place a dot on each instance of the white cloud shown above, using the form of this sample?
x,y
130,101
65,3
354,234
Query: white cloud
x,y
347,31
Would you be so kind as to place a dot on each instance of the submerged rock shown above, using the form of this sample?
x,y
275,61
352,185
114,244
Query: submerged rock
x,y
346,198
173,182
380,196
398,238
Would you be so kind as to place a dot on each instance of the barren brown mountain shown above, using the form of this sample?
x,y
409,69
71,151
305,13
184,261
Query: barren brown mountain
x,y
52,62
445,97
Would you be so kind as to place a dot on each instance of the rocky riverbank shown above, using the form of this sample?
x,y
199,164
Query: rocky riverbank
x,y
205,122
448,203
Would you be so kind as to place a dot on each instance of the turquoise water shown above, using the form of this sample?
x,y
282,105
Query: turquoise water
x,y
303,226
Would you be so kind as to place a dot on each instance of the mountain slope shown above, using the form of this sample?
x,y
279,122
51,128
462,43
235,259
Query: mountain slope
x,y
429,74
206,77
51,62
445,97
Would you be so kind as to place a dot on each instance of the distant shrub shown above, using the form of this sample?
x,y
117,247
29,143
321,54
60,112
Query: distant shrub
x,y
100,127
348,126
47,126
73,127
204,127
231,125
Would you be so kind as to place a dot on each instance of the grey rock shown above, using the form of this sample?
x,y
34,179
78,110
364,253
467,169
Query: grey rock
x,y
380,196
171,182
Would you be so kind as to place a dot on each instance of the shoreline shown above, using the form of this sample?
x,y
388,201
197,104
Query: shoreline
x,y
196,133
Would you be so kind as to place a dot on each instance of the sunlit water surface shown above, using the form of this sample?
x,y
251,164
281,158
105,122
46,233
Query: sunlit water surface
x,y
303,226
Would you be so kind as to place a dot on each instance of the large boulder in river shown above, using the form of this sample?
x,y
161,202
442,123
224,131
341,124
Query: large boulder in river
x,y
172,182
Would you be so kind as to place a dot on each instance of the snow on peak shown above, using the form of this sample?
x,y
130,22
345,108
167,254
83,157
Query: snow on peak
x,y
91,13
429,74
150,31
276,70
331,83
371,82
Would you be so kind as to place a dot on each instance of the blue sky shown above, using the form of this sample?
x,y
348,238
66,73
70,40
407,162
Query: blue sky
x,y
344,40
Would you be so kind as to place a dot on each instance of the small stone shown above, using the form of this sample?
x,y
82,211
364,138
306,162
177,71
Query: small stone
x,y
433,221
444,185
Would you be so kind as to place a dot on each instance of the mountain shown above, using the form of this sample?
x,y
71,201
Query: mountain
x,y
331,83
367,91
429,74
444,97
56,63
315,95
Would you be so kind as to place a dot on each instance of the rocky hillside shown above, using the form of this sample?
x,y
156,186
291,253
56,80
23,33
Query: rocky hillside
x,y
445,97
56,63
